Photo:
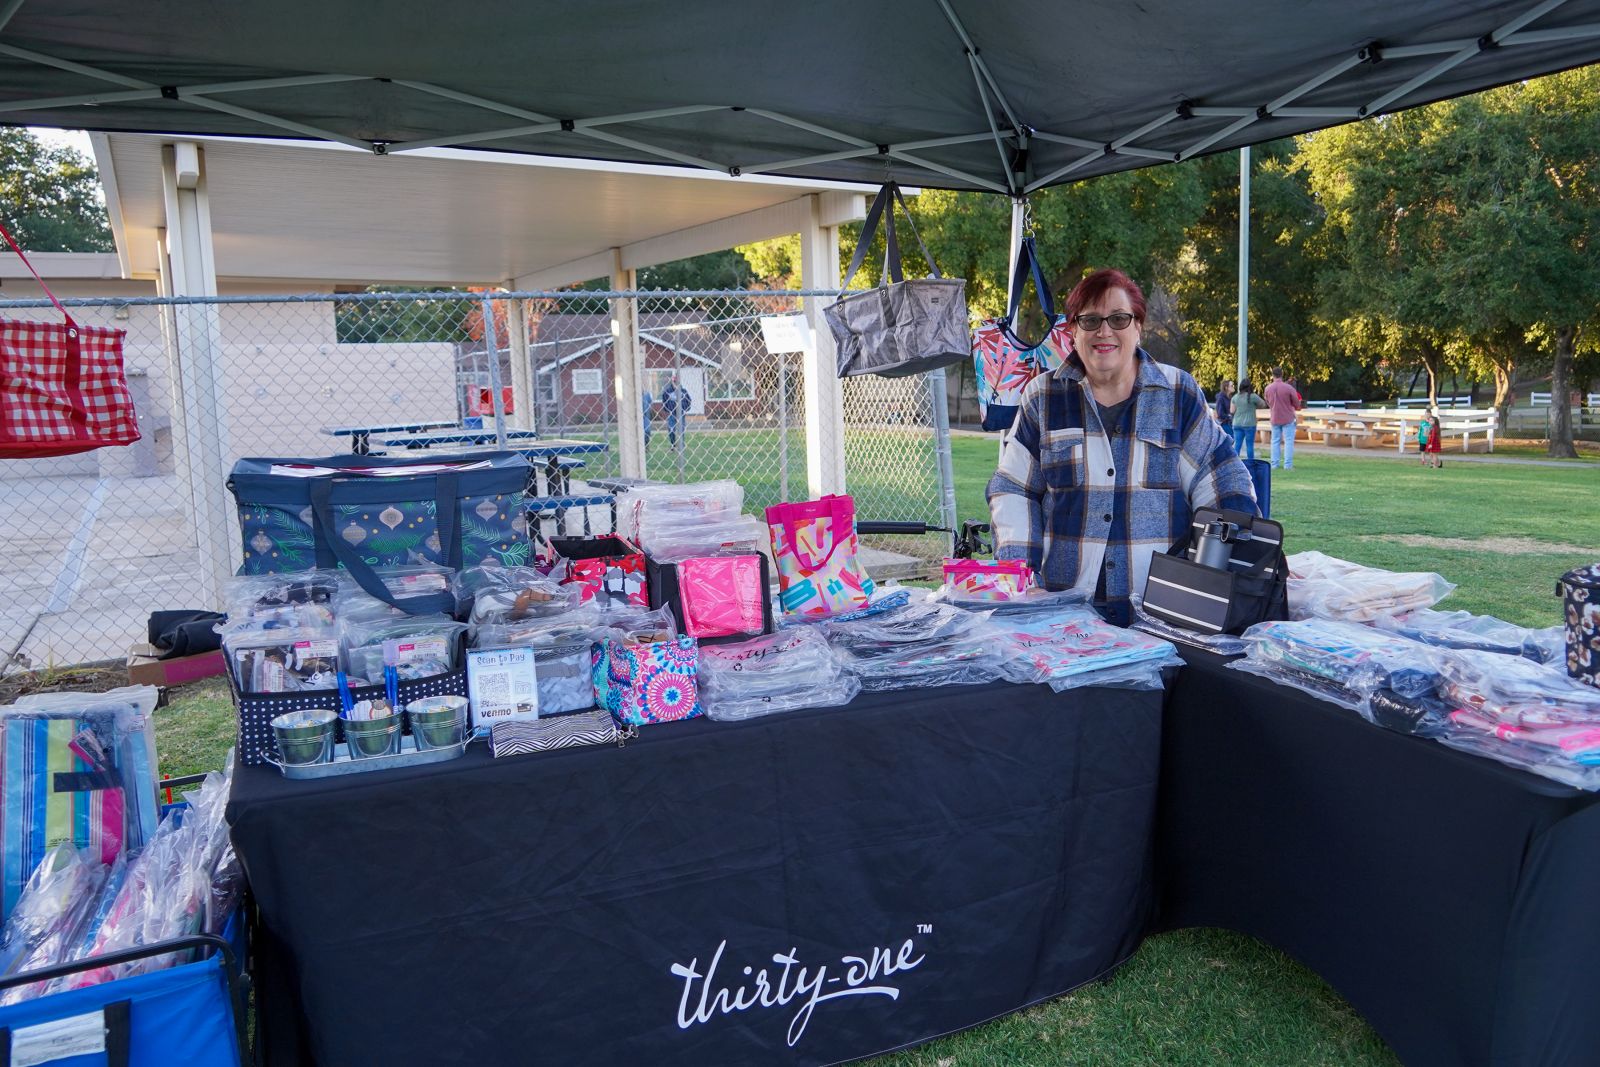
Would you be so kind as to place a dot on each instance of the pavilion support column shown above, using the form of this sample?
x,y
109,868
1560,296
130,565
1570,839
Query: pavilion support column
x,y
819,269
200,409
627,370
523,415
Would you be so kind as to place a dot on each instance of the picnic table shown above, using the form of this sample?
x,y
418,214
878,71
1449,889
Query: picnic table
x,y
361,436
458,436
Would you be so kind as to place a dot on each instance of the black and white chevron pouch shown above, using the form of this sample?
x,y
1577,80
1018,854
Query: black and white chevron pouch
x,y
594,727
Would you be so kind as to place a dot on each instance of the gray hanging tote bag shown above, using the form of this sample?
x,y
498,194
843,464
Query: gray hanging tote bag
x,y
901,327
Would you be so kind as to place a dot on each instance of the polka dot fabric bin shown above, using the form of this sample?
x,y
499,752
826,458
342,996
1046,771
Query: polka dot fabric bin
x,y
257,710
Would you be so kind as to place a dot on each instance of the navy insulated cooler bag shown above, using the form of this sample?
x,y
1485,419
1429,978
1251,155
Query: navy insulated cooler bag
x,y
361,512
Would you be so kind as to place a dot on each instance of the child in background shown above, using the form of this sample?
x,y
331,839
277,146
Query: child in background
x,y
1428,439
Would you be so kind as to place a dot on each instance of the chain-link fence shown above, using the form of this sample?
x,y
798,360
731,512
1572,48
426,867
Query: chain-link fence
x,y
97,541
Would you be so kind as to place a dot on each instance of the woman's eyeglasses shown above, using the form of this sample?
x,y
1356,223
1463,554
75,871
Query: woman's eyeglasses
x,y
1117,321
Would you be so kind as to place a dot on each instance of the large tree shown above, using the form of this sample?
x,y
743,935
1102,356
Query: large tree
x,y
1285,220
50,197
1460,227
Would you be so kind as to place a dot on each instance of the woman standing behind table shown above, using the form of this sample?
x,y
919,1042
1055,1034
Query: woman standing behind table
x,y
1245,406
1110,455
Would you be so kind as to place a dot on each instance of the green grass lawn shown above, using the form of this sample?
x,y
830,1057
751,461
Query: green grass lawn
x,y
1503,533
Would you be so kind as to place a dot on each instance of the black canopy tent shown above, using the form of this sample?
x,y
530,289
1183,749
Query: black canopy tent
x,y
949,93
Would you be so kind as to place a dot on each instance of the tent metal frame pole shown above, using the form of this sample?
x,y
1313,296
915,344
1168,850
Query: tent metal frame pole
x,y
74,68
8,9
1244,264
551,126
982,67
988,112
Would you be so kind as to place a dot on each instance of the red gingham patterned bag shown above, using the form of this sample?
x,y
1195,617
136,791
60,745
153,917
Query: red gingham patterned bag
x,y
62,388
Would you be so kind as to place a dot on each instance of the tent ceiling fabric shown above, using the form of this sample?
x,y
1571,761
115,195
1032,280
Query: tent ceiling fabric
x,y
812,93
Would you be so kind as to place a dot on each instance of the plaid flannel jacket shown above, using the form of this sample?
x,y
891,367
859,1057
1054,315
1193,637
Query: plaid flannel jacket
x,y
1074,501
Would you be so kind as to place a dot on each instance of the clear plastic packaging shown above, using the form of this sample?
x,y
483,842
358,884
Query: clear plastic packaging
x,y
1517,693
301,601
1326,587
1340,661
885,600
916,620
167,891
416,646
724,707
645,512
1467,632
1036,599
109,740
792,659
1221,644
638,626
48,920
283,661
1076,647
511,594
1569,755
711,535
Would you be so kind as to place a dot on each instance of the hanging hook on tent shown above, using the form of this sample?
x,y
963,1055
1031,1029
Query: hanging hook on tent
x,y
1027,216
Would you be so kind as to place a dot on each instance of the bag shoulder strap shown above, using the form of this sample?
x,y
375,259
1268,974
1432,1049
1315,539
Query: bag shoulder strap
x,y
1028,265
887,197
12,241
446,519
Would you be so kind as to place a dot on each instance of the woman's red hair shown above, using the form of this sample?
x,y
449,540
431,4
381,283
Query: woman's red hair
x,y
1088,292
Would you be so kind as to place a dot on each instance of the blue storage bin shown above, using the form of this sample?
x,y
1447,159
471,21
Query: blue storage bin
x,y
191,1015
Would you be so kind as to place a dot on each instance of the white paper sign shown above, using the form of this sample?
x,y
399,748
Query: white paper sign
x,y
81,1035
502,685
786,333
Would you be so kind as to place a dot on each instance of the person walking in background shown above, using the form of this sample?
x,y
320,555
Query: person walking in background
x,y
675,401
649,402
1245,404
1224,405
1284,400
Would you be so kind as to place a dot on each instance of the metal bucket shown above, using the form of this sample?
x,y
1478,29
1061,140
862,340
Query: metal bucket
x,y
438,722
372,737
305,737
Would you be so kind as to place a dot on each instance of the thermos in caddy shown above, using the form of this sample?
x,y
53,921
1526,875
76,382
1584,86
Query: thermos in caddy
x,y
1215,546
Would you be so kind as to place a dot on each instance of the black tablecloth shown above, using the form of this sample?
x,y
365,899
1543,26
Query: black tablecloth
x,y
1450,899
801,889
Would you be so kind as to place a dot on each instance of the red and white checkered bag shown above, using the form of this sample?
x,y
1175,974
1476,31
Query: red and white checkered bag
x,y
62,387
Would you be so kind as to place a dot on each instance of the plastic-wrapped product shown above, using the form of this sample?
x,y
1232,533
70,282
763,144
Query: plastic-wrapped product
x,y
969,660
50,914
417,646
299,600
1221,644
724,707
1326,587
986,579
510,594
1339,656
631,624
711,535
562,649
1467,632
167,891
1425,716
282,661
643,510
1035,600
79,768
1567,754
791,660
1518,693
1077,647
917,620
